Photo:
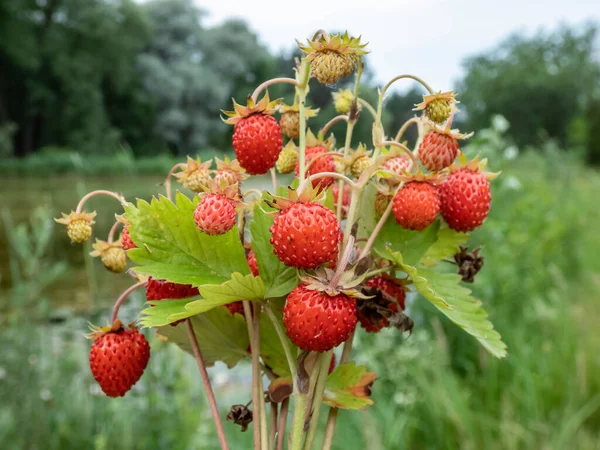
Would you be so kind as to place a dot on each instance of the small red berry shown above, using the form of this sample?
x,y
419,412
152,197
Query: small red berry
x,y
465,199
161,290
257,142
397,164
315,321
235,307
215,214
118,360
391,291
415,205
323,164
126,239
305,235
437,150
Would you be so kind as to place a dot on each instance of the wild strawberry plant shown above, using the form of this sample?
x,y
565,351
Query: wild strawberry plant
x,y
284,276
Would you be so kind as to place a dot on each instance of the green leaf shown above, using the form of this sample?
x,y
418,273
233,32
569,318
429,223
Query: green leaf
x,y
221,336
447,244
455,301
349,387
329,201
172,248
366,216
271,349
412,244
278,278
164,312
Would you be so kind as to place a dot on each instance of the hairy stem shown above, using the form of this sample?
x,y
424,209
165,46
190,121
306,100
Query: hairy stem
x,y
113,230
375,233
367,105
316,176
323,368
404,127
300,407
301,90
261,87
392,81
333,121
86,197
123,297
207,386
274,180
168,179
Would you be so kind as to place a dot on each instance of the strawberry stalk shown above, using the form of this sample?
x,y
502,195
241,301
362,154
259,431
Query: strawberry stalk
x,y
207,386
367,105
113,230
123,297
169,175
322,369
301,90
261,87
404,127
282,423
86,197
352,117
329,124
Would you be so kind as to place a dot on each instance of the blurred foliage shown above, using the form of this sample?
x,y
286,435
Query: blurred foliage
x,y
541,84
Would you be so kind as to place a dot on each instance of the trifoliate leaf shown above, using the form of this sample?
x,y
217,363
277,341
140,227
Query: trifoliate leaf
x,y
278,278
412,244
447,244
455,301
349,387
271,349
171,247
221,336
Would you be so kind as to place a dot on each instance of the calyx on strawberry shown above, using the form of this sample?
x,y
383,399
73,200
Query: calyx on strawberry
x,y
438,107
439,148
290,119
257,138
416,204
465,195
304,234
216,212
79,225
118,357
111,254
333,56
195,174
316,163
228,172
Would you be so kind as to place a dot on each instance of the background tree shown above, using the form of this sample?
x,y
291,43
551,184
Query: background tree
x,y
539,83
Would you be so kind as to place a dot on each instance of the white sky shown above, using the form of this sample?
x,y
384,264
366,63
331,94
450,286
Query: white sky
x,y
428,38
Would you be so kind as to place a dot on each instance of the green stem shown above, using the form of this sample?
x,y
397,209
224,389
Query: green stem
x,y
284,342
302,90
323,367
367,105
404,127
354,200
264,431
300,407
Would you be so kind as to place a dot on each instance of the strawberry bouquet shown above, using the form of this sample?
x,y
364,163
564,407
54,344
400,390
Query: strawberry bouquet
x,y
286,275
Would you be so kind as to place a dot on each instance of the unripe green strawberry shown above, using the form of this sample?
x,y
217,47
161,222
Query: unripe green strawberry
x,y
215,214
118,359
287,159
465,199
438,110
114,259
316,321
305,235
437,150
360,165
381,203
342,100
416,205
290,124
79,225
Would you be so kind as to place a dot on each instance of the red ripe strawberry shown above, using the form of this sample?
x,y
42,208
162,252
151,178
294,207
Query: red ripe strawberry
x,y
315,321
415,205
235,307
305,235
438,150
126,239
397,164
323,164
252,263
215,214
391,291
161,290
373,313
257,142
118,359
465,199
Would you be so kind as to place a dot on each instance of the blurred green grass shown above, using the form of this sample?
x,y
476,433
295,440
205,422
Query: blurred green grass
x,y
435,390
